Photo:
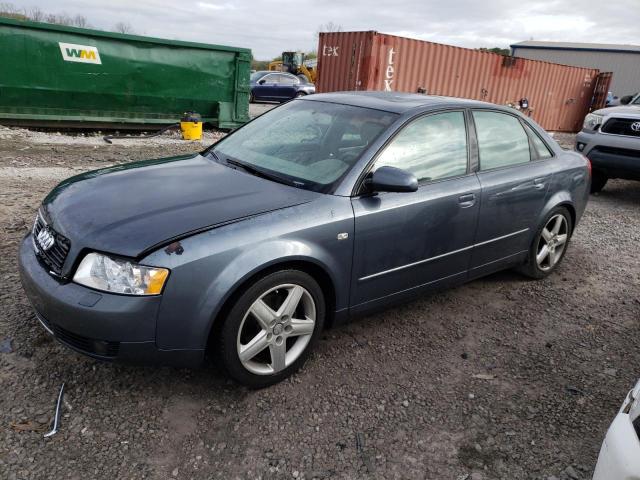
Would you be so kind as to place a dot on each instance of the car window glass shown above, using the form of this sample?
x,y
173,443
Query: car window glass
x,y
432,147
315,143
501,140
273,78
286,80
255,76
541,149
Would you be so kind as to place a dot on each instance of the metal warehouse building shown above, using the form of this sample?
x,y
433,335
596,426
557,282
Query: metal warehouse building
x,y
622,60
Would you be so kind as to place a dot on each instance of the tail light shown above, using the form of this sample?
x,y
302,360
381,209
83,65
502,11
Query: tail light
x,y
589,168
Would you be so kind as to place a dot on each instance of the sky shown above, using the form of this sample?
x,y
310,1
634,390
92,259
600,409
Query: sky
x,y
271,27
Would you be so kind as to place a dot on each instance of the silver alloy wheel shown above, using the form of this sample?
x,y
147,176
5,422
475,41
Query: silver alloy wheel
x,y
282,320
552,242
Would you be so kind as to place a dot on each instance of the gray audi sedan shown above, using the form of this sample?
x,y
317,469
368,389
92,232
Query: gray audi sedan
x,y
324,208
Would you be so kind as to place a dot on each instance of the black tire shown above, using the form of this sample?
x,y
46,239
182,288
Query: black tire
x,y
252,98
598,181
230,334
300,94
531,268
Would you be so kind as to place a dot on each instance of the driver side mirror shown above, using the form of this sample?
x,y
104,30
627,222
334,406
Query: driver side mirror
x,y
262,82
626,99
391,179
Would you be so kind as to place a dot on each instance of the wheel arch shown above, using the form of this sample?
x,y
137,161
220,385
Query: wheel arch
x,y
317,271
572,211
559,199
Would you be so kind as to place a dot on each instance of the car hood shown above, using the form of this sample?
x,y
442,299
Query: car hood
x,y
622,109
131,209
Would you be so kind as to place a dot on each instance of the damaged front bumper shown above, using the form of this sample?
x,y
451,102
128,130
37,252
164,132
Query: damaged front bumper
x,y
101,325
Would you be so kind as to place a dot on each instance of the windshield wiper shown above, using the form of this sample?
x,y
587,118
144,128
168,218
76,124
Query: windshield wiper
x,y
258,172
213,154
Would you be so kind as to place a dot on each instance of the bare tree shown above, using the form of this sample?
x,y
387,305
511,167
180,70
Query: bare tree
x,y
7,7
80,21
123,27
328,27
36,15
9,10
59,19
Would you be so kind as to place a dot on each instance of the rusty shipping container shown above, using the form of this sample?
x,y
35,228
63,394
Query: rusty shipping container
x,y
559,95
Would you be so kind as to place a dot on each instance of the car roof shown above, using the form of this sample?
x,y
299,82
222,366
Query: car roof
x,y
395,102
265,72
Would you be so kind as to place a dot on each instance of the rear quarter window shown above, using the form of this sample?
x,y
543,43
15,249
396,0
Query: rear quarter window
x,y
539,146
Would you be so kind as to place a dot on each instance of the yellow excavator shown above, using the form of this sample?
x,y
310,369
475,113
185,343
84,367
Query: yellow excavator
x,y
295,63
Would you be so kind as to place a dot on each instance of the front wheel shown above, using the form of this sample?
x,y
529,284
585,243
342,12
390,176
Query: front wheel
x,y
272,328
549,244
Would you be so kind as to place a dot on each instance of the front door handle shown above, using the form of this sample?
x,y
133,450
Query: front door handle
x,y
539,183
468,200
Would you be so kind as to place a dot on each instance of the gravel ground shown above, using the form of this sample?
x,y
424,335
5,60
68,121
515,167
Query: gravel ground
x,y
501,378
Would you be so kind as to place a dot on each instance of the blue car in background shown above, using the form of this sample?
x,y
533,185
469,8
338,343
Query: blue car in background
x,y
278,86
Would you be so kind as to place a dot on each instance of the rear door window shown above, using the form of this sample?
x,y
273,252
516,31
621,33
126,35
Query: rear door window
x,y
287,80
502,141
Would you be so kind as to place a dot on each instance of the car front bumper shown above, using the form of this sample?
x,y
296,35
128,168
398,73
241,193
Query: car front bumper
x,y
98,324
619,457
617,156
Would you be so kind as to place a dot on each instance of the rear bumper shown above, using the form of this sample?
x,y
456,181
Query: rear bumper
x,y
619,457
614,155
101,325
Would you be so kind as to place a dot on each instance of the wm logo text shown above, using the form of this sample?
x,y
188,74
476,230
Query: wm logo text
x,y
79,53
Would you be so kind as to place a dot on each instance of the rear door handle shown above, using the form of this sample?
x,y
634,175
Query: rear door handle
x,y
468,200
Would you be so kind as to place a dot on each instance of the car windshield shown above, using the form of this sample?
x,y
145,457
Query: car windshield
x,y
309,144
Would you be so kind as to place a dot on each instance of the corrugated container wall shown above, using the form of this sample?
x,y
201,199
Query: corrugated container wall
x,y
63,75
559,96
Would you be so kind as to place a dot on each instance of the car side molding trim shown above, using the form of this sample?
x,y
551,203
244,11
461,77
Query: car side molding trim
x,y
438,257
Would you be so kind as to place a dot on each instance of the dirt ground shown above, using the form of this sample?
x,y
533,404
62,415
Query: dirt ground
x,y
503,378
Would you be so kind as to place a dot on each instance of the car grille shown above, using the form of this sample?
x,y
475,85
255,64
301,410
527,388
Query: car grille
x,y
84,344
54,256
622,126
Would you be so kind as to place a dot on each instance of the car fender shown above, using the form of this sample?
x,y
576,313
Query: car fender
x,y
213,264
562,197
262,258
569,187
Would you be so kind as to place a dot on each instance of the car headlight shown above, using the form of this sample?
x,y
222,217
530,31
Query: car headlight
x,y
120,276
592,121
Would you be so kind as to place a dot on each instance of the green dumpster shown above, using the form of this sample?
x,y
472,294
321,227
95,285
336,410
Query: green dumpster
x,y
54,75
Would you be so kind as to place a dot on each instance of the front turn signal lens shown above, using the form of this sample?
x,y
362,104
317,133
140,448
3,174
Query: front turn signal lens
x,y
156,281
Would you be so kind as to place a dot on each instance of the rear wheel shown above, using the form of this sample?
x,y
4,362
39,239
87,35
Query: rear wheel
x,y
272,328
598,181
300,94
549,244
